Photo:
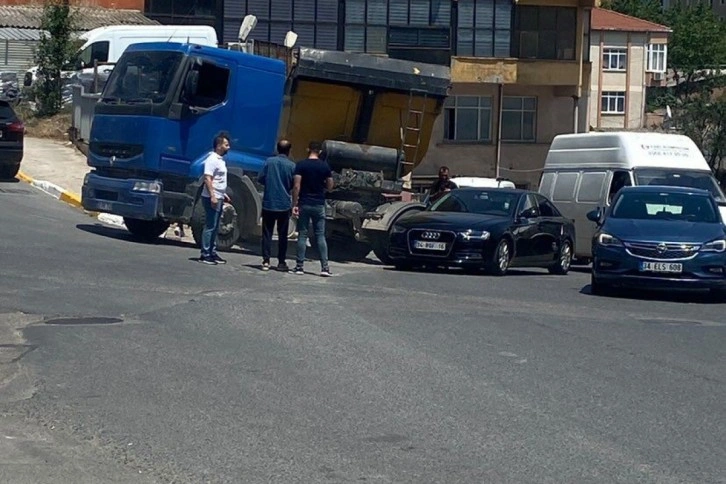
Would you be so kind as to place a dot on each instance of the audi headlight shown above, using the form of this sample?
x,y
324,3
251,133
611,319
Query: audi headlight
x,y
475,234
151,187
398,229
718,245
607,240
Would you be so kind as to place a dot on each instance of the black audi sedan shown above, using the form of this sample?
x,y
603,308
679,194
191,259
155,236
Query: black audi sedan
x,y
12,133
659,237
489,228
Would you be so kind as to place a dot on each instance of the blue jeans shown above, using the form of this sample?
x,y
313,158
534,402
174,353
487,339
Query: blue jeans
x,y
316,214
212,217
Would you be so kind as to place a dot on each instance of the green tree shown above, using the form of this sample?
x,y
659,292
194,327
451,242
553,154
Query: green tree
x,y
697,62
55,50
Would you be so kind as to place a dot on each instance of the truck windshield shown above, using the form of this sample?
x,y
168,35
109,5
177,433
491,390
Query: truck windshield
x,y
680,178
142,77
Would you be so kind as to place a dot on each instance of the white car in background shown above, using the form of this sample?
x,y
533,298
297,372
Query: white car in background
x,y
480,182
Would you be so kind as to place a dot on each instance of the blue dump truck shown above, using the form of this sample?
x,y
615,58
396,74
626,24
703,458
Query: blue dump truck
x,y
164,103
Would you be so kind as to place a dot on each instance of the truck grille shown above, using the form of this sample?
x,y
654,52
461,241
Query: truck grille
x,y
119,150
662,251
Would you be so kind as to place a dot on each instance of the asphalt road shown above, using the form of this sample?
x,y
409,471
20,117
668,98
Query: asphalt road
x,y
230,374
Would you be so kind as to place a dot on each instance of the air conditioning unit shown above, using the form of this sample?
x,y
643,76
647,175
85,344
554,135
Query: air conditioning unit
x,y
659,76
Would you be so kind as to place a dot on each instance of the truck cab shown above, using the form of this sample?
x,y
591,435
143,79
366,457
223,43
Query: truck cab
x,y
159,112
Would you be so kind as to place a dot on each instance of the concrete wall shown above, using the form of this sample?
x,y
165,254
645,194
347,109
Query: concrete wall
x,y
520,162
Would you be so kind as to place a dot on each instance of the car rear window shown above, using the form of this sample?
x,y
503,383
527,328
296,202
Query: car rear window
x,y
6,112
665,206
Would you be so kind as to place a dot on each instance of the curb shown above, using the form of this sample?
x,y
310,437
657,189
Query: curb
x,y
70,198
53,190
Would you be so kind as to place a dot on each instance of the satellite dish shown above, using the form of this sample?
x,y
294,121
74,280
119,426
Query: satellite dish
x,y
669,113
290,39
248,24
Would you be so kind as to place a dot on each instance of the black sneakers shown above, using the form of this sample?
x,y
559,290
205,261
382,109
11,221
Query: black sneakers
x,y
218,259
298,270
326,272
283,267
208,260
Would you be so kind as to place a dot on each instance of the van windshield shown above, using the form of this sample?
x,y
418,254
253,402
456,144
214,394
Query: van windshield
x,y
142,77
680,178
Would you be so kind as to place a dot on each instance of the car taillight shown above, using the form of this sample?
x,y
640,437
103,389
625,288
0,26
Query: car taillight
x,y
16,127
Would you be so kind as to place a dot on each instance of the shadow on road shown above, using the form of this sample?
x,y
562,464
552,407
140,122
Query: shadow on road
x,y
9,180
688,296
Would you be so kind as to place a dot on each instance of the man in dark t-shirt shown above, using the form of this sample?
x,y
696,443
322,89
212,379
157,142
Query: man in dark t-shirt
x,y
313,177
441,186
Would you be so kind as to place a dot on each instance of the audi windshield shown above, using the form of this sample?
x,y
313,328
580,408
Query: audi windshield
x,y
484,202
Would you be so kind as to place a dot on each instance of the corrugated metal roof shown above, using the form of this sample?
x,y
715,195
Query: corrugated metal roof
x,y
12,33
29,17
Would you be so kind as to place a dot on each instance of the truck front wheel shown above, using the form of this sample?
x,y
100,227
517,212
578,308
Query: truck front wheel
x,y
146,230
229,226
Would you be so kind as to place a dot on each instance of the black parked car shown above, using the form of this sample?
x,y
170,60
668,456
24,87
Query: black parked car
x,y
12,133
490,228
659,237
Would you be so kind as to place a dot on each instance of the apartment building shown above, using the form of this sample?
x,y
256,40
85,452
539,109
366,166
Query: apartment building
x,y
520,70
628,56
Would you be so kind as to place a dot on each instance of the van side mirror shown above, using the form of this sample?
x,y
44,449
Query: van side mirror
x,y
594,215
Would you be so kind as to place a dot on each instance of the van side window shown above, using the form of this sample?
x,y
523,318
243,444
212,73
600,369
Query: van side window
x,y
212,85
620,179
545,184
565,187
591,185
97,51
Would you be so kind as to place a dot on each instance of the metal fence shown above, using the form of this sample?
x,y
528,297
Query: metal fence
x,y
83,105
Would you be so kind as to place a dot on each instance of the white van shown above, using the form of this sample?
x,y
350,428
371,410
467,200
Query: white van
x,y
106,44
584,171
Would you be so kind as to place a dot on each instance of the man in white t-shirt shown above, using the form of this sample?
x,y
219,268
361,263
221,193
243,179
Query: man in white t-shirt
x,y
214,194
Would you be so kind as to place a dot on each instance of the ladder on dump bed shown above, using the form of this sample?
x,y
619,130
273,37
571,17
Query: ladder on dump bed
x,y
411,129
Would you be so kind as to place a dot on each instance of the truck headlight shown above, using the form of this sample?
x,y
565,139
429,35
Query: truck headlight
x,y
151,187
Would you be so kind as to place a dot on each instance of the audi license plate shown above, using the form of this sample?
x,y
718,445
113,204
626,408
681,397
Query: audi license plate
x,y
422,244
665,267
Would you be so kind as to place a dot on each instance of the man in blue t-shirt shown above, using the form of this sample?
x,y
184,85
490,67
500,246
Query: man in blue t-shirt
x,y
313,177
277,177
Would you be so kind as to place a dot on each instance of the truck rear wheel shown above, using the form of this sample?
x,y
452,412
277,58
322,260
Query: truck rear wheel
x,y
146,230
8,172
380,248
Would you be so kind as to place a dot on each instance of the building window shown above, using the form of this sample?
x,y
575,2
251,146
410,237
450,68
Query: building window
x,y
315,21
612,102
367,21
657,57
182,9
467,118
519,116
484,28
614,59
544,33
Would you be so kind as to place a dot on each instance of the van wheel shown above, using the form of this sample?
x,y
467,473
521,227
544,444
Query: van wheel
x,y
564,259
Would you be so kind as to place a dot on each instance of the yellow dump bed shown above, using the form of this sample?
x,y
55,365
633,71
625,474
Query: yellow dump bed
x,y
365,99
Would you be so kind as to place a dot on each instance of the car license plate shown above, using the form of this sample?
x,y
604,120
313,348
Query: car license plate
x,y
105,206
422,244
666,267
